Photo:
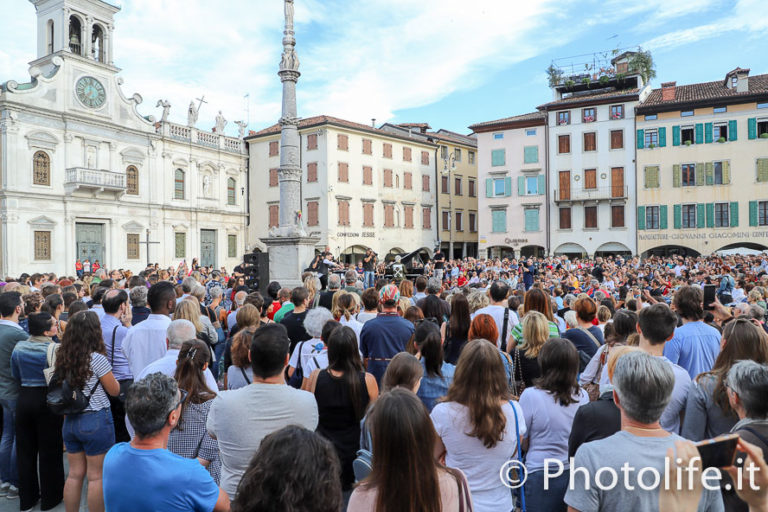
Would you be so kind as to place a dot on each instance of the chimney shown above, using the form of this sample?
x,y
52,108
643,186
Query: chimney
x,y
373,122
742,85
668,91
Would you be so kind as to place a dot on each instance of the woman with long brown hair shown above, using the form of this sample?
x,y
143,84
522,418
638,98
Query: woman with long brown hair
x,y
476,423
405,476
239,372
538,300
81,361
455,332
549,410
708,412
189,438
189,309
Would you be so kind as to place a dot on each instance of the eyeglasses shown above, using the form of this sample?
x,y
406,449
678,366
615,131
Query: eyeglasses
x,y
182,397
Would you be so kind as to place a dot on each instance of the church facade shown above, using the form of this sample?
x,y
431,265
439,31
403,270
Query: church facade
x,y
85,175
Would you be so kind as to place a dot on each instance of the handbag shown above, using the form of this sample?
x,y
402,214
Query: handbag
x,y
518,368
363,463
585,358
593,388
125,384
62,399
50,358
519,455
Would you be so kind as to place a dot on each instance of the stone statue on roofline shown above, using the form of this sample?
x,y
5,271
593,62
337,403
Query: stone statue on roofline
x,y
221,123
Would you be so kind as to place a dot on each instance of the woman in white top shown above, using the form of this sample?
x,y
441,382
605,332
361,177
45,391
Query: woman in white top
x,y
305,350
346,308
476,424
549,408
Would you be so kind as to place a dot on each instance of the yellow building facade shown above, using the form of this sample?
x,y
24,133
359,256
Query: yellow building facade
x,y
702,166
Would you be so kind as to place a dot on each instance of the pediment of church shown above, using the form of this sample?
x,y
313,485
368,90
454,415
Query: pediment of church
x,y
42,222
132,156
41,140
133,227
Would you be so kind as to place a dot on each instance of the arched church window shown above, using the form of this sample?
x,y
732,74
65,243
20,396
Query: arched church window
x,y
41,169
178,184
50,36
132,180
75,32
97,44
231,189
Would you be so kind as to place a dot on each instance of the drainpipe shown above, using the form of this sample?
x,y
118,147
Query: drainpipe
x,y
547,181
438,241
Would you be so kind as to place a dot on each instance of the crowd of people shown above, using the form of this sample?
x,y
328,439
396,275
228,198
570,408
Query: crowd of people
x,y
358,390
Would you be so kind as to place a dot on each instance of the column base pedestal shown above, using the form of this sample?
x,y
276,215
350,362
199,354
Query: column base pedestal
x,y
288,257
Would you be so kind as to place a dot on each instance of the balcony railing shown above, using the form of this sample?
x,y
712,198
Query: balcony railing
x,y
96,180
591,194
200,137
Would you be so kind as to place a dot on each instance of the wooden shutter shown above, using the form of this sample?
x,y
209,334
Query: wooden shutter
x,y
425,183
732,129
753,213
387,150
388,178
343,172
707,133
406,154
675,135
497,157
274,148
531,154
590,178
701,177
488,187
407,180
499,221
367,214
590,216
709,171
663,217
444,184
274,215
367,175
312,141
726,172
273,179
640,139
701,215
699,130
752,128
662,136
590,141
367,146
710,215
531,219
520,186
312,172
617,216
677,178
617,182
425,158
677,214
563,143
342,142
541,185
507,186
389,215
617,139
734,214
312,214
408,214
641,217
565,185
762,170
565,218
652,176
426,220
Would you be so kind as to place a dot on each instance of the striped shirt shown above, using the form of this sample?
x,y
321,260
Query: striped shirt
x,y
517,332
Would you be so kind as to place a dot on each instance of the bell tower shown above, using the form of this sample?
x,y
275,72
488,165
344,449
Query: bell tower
x,y
81,28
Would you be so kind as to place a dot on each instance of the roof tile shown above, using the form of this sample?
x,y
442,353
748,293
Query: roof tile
x,y
707,92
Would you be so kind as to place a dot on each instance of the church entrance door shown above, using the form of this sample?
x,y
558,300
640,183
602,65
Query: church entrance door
x,y
208,247
90,242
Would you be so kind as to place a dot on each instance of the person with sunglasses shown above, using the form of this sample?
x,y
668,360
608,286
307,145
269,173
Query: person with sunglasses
x,y
143,474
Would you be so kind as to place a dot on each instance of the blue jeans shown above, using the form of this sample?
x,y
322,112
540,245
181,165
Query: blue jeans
x,y
92,432
377,369
369,278
9,472
551,500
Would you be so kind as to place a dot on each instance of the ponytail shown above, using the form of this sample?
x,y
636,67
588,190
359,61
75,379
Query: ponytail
x,y
429,342
190,365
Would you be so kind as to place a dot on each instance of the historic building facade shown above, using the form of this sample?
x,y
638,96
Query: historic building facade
x,y
361,187
591,126
702,160
85,175
513,208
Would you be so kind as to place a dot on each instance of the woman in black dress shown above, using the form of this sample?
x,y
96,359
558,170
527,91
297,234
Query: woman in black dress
x,y
343,391
456,330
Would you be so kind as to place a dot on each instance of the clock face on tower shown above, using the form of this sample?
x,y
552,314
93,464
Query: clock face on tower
x,y
90,92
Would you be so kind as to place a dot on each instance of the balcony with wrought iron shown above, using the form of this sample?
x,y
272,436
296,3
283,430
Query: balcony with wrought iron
x,y
94,181
583,195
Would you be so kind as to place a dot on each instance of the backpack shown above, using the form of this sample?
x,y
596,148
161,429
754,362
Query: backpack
x,y
62,399
363,463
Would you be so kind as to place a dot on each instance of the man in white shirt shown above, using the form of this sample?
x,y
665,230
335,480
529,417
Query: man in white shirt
x,y
498,294
145,342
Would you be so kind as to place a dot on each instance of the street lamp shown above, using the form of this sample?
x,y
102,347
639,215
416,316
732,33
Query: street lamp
x,y
449,165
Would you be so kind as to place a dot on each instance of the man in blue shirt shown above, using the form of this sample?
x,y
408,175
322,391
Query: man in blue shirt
x,y
695,345
144,475
114,327
386,335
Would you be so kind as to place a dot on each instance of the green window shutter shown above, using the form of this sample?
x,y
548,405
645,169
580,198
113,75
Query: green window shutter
x,y
732,129
710,215
675,135
530,154
699,133
497,157
499,224
488,187
520,186
726,172
656,175
701,178
708,133
734,214
640,139
532,219
662,137
701,215
663,217
752,128
677,213
677,177
507,186
762,170
542,184
710,171
641,217
647,177
753,213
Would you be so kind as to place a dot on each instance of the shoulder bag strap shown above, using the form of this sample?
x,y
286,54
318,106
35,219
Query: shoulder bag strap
x,y
245,375
603,358
299,365
504,329
518,452
518,368
761,437
112,360
591,336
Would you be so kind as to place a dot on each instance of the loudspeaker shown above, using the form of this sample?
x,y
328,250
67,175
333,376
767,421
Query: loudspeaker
x,y
257,271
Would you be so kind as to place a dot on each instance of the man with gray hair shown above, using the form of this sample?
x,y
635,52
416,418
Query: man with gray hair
x,y
139,309
350,279
326,297
178,332
131,479
642,389
231,317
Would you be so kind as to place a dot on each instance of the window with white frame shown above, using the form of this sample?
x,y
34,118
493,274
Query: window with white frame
x,y
651,217
689,216
722,211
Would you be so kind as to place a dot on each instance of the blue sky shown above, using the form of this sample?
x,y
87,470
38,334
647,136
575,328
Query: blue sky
x,y
450,63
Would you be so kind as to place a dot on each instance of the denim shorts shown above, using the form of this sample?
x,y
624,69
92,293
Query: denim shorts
x,y
92,432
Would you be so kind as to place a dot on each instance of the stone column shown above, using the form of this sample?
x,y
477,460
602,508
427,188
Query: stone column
x,y
290,249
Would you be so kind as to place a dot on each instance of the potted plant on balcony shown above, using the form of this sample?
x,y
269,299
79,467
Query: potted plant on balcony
x,y
604,80
764,135
721,140
585,81
651,146
687,143
555,75
569,83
